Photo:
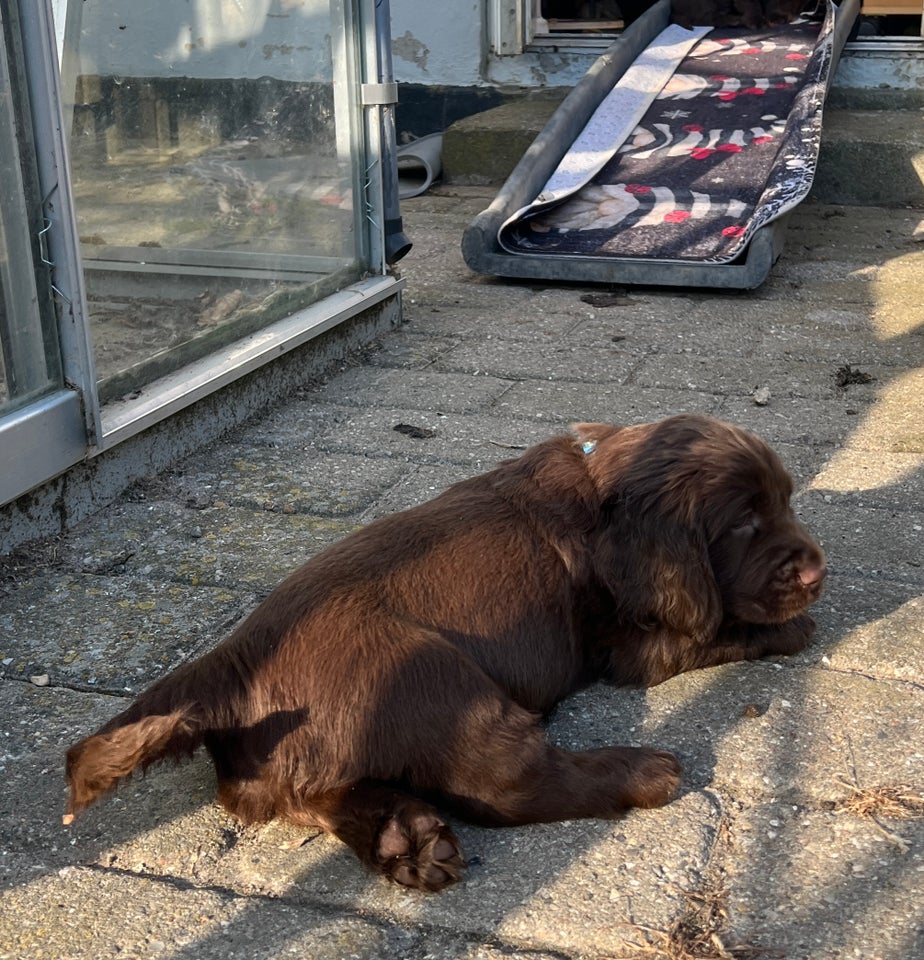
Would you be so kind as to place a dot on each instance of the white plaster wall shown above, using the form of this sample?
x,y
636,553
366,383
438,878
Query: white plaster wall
x,y
433,42
442,42
437,41
880,69
539,69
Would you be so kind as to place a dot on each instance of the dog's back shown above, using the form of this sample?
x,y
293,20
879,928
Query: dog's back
x,y
330,679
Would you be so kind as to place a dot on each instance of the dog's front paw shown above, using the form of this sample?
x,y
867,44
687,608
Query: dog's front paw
x,y
415,848
655,778
789,637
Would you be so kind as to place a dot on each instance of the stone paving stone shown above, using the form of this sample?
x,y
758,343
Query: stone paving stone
x,y
784,379
526,361
876,626
303,481
476,439
813,725
827,884
570,887
430,390
111,633
210,546
565,403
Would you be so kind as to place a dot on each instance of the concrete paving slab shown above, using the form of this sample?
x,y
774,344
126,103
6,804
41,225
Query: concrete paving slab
x,y
418,390
869,538
533,885
853,345
108,633
866,478
792,378
756,731
220,546
292,481
485,147
814,428
440,322
681,325
832,231
544,361
894,423
565,887
125,832
297,426
876,625
443,283
410,350
828,884
111,915
845,158
424,483
420,436
564,402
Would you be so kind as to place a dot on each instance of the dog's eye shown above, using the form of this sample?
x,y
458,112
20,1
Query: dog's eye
x,y
748,527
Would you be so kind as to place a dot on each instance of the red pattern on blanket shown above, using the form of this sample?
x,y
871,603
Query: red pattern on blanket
x,y
730,142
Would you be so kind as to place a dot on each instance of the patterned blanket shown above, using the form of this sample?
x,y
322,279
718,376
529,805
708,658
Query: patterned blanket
x,y
728,143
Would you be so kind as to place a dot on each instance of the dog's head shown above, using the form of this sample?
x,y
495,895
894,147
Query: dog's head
x,y
696,522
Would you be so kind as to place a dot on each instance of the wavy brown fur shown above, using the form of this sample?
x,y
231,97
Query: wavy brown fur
x,y
412,661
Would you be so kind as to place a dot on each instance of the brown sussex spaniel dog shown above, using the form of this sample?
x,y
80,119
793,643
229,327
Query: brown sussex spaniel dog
x,y
412,661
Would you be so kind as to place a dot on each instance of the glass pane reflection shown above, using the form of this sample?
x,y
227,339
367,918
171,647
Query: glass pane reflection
x,y
212,171
29,357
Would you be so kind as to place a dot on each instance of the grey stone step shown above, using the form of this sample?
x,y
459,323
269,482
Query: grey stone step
x,y
867,156
871,157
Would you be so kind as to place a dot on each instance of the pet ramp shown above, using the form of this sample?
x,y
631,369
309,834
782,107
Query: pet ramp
x,y
674,161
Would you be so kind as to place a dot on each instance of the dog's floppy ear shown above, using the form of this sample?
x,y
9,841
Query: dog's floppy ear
x,y
649,550
659,572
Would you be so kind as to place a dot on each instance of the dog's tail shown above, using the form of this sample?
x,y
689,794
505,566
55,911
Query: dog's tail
x,y
161,724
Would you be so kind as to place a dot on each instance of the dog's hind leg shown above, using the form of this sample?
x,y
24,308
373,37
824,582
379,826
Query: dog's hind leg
x,y
392,833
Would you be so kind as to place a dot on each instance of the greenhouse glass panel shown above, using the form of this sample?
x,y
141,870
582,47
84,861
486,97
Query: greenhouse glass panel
x,y
216,155
29,357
